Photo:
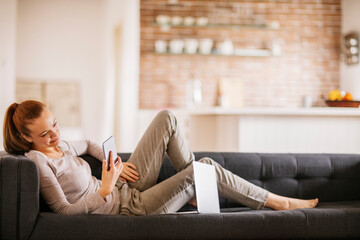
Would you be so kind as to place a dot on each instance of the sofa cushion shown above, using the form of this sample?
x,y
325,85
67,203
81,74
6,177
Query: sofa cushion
x,y
329,177
19,196
329,220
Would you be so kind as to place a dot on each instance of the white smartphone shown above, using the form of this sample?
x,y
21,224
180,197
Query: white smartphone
x,y
109,145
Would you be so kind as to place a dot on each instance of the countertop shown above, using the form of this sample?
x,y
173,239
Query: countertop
x,y
278,111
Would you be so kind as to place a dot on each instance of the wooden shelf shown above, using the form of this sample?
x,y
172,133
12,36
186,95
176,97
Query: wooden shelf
x,y
240,53
233,26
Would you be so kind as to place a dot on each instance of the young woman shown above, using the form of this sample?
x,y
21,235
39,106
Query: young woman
x,y
129,188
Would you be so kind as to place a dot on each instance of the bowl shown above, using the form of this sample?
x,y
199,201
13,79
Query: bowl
x,y
163,19
353,104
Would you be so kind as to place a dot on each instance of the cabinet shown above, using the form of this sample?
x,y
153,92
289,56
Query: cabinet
x,y
271,130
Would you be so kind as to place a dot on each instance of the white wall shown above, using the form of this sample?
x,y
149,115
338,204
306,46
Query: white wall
x,y
8,13
66,40
350,75
123,51
63,41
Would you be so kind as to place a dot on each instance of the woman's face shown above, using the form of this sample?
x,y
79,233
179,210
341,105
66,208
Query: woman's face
x,y
44,131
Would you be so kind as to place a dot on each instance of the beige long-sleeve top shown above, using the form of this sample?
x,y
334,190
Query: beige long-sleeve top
x,y
66,183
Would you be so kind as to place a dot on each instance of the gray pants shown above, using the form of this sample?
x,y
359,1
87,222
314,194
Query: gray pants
x,y
145,197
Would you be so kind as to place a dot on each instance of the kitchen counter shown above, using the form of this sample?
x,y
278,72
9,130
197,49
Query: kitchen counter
x,y
273,129
312,111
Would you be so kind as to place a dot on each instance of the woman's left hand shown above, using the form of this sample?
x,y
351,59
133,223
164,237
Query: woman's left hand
x,y
129,173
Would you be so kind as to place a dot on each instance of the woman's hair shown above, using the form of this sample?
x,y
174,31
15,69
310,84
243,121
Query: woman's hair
x,y
17,118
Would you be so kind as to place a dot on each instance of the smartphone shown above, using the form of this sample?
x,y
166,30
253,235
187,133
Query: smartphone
x,y
109,145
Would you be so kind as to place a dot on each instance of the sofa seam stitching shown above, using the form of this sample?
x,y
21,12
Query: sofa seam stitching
x,y
296,176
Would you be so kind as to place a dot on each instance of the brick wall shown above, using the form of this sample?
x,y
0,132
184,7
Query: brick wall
x,y
309,37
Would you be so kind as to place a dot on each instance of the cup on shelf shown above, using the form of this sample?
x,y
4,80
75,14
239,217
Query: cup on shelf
x,y
191,45
205,46
160,46
202,21
226,47
176,46
176,20
189,21
163,19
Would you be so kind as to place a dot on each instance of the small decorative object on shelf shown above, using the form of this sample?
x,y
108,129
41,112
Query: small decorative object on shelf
x,y
166,22
190,46
202,21
189,21
226,47
176,46
176,20
163,19
160,46
206,45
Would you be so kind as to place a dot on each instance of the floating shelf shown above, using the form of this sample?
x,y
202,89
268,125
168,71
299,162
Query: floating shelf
x,y
234,26
238,53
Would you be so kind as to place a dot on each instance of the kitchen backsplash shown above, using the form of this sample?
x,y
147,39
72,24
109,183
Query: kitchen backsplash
x,y
262,53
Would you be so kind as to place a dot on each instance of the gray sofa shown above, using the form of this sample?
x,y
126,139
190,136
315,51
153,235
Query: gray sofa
x,y
334,178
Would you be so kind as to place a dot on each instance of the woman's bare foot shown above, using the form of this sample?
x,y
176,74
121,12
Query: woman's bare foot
x,y
192,202
277,202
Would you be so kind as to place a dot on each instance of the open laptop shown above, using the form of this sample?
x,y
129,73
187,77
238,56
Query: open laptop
x,y
207,197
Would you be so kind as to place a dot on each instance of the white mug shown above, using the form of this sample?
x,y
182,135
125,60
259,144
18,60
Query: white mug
x,y
226,47
176,46
206,45
202,21
163,19
191,45
160,46
307,101
188,21
176,20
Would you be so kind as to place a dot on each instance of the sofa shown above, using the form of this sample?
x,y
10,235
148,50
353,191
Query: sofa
x,y
333,178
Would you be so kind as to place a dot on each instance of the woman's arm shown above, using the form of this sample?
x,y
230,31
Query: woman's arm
x,y
54,195
79,148
83,147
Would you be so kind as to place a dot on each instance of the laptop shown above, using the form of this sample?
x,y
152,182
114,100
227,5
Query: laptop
x,y
207,197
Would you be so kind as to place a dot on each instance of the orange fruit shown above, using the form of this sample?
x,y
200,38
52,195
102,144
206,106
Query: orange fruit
x,y
348,97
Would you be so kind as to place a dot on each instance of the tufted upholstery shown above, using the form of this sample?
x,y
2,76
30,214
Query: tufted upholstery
x,y
330,177
334,178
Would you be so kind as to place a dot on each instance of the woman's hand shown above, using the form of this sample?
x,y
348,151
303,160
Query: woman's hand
x,y
109,177
129,173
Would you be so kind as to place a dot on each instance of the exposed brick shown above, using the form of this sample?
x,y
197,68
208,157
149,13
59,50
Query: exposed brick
x,y
309,36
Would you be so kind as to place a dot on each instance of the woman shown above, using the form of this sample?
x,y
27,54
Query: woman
x,y
130,188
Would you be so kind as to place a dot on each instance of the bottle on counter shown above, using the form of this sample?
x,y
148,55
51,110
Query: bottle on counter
x,y
193,93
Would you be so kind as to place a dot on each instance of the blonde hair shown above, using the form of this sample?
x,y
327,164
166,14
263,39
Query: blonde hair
x,y
17,117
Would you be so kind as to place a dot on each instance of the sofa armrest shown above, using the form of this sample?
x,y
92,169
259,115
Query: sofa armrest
x,y
19,196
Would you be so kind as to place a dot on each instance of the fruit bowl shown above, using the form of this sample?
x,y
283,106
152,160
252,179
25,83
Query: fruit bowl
x,y
354,104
